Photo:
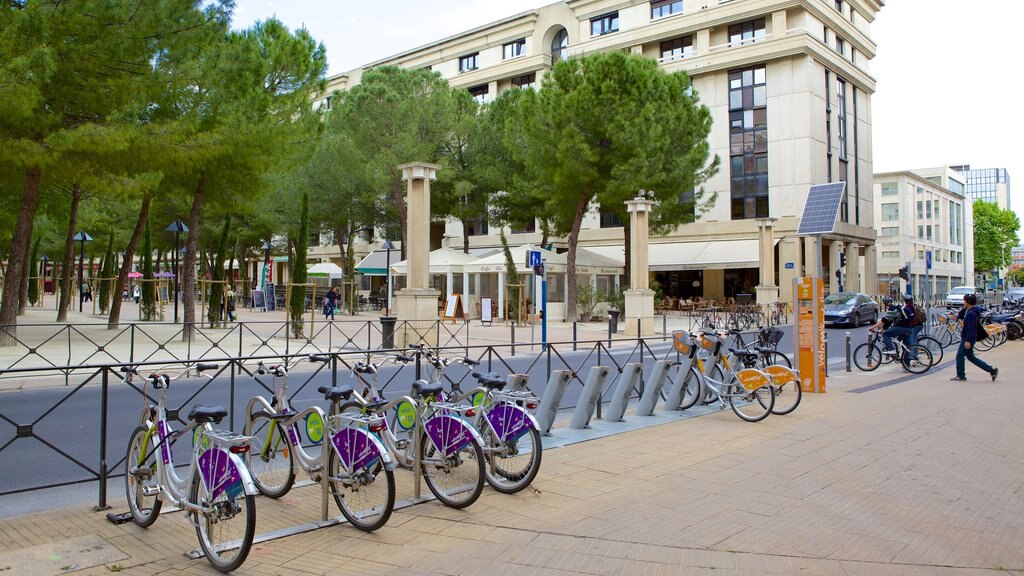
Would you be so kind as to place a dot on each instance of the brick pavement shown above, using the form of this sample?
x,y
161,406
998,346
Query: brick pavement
x,y
925,476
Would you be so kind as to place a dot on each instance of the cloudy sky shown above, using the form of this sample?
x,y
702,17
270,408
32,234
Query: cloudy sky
x,y
947,91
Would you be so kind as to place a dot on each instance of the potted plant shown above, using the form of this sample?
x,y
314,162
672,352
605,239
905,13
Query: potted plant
x,y
586,301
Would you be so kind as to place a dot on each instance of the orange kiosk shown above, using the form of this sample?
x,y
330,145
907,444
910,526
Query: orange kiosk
x,y
809,332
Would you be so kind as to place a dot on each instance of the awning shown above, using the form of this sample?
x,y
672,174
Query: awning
x,y
325,270
694,255
376,262
441,261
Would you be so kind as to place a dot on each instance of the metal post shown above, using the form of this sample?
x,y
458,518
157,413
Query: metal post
x,y
848,355
544,307
573,335
102,504
231,396
513,327
826,352
610,331
81,278
664,327
176,235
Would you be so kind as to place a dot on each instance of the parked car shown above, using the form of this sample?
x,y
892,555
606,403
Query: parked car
x,y
853,308
1013,295
955,298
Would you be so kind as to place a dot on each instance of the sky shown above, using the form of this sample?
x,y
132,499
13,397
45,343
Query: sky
x,y
946,88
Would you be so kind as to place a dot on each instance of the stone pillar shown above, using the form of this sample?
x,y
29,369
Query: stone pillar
x,y
870,270
812,257
790,251
416,304
833,264
851,280
767,290
640,297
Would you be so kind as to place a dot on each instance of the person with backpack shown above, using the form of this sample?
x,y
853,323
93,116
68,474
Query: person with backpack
x,y
903,326
971,332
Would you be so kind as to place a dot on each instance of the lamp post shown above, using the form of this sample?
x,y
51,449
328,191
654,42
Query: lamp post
x,y
266,264
388,247
177,227
82,237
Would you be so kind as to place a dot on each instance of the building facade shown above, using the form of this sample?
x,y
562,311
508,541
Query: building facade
x,y
988,184
789,90
919,212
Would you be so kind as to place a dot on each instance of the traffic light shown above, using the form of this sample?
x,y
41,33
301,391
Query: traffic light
x,y
905,272
842,259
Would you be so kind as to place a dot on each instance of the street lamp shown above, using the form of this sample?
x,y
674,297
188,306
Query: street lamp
x,y
177,227
387,246
82,237
266,263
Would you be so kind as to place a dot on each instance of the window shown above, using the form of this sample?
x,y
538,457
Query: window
x,y
920,210
747,32
677,48
841,117
469,62
559,46
531,226
839,6
662,8
604,24
890,254
928,232
890,189
479,93
890,212
890,231
928,209
525,81
748,142
328,104
514,49
920,231
610,219
477,227
840,45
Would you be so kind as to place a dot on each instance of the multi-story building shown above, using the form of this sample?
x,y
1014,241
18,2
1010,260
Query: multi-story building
x,y
788,86
988,184
920,212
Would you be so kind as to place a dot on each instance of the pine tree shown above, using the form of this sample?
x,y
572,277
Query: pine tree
x,y
297,305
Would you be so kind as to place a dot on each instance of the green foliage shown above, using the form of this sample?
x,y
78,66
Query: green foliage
x,y
34,273
586,299
148,302
297,305
616,299
512,279
107,289
995,234
216,308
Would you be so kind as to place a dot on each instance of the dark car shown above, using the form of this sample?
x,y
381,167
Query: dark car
x,y
1013,295
853,308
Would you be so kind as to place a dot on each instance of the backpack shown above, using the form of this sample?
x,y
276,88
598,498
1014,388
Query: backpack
x,y
981,333
920,317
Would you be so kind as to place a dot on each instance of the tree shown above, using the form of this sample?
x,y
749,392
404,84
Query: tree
x,y
35,275
148,303
107,288
459,192
512,283
297,305
217,288
995,234
602,128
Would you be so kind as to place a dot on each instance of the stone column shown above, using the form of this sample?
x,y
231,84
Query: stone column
x,y
416,304
870,270
851,280
833,264
812,257
640,297
767,290
790,251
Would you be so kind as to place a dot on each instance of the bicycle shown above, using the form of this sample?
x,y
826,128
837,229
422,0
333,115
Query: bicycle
x,y
511,436
217,492
750,391
869,356
355,462
448,449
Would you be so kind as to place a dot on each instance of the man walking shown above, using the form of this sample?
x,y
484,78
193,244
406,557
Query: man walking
x,y
968,338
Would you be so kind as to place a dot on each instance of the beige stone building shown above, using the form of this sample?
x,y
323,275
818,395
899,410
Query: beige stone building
x,y
923,211
789,89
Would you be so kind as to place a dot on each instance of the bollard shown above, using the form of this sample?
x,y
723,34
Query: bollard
x,y
664,327
513,341
609,331
573,335
825,337
848,355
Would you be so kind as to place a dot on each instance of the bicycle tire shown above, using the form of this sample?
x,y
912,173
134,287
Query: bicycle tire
x,y
364,498
270,458
221,527
458,480
917,359
787,397
753,405
944,337
144,509
933,346
692,388
773,359
511,465
867,357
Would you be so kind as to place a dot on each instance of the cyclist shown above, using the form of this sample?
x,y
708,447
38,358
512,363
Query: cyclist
x,y
903,324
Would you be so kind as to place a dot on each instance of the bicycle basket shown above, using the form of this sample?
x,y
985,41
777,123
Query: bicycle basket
x,y
770,337
709,342
682,341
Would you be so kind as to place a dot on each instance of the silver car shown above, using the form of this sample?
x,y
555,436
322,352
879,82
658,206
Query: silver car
x,y
955,298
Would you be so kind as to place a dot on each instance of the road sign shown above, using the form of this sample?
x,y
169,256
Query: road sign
x,y
928,259
534,258
789,266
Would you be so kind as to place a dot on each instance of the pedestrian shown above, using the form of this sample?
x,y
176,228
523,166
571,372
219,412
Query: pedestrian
x,y
86,292
136,293
331,302
968,339
231,305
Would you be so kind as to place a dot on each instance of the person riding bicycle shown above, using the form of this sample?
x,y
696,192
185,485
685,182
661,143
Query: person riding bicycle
x,y
903,325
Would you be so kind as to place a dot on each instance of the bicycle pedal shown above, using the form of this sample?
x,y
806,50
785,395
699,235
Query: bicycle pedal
x,y
150,490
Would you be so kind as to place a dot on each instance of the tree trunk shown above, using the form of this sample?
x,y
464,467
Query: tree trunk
x,y
465,236
570,258
19,245
69,254
126,264
25,275
188,274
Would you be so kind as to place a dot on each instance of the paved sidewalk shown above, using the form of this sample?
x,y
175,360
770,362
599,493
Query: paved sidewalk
x,y
924,476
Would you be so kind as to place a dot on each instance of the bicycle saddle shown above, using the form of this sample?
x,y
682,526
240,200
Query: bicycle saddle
x,y
743,353
204,414
335,393
424,388
490,380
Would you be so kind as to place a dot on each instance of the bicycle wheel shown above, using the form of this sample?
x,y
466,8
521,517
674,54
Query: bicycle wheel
x,y
867,357
718,375
366,497
511,465
917,359
752,405
270,458
933,346
944,336
145,508
773,359
787,397
225,526
458,479
691,389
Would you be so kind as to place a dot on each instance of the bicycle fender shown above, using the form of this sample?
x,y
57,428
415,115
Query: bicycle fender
x,y
752,378
222,471
357,448
510,421
450,434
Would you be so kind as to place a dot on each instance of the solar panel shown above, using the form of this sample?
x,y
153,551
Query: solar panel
x,y
821,208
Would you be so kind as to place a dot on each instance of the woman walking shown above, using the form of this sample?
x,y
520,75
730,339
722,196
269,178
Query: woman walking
x,y
968,338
